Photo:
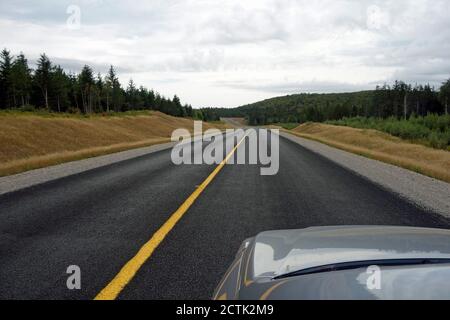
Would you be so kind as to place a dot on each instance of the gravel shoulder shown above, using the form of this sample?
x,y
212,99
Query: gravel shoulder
x,y
426,192
39,176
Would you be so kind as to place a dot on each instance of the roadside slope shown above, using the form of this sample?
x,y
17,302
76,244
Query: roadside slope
x,y
32,141
380,146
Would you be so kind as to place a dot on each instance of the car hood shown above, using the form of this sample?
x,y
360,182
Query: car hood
x,y
276,253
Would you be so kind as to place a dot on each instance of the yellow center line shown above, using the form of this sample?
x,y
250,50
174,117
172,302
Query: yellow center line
x,y
129,270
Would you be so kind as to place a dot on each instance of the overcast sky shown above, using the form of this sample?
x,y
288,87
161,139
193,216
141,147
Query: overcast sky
x,y
232,52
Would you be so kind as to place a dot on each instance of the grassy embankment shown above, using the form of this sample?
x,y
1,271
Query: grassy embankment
x,y
380,146
35,140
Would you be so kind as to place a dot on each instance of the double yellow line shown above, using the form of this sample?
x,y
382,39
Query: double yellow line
x,y
129,270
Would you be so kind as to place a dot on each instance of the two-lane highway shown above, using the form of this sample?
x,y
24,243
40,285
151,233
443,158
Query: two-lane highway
x,y
100,219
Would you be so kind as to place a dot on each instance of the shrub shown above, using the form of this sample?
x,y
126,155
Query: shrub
x,y
73,110
27,108
432,129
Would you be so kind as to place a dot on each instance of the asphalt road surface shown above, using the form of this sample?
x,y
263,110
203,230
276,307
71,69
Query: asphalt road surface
x,y
99,219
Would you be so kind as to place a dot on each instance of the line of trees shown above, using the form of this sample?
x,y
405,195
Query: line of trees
x,y
399,100
402,100
49,86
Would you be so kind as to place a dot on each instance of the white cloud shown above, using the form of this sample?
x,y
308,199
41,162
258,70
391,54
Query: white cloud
x,y
231,52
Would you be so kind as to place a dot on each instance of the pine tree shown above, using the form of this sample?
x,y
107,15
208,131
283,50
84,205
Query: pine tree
x,y
6,89
86,82
131,95
178,108
99,88
444,95
73,91
60,85
42,78
113,90
21,80
142,97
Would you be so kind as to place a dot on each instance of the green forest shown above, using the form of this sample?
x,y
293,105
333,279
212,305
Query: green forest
x,y
399,100
51,88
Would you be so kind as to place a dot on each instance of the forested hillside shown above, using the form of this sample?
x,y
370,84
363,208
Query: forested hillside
x,y
308,107
399,100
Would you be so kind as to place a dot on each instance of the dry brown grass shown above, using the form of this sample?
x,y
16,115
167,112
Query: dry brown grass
x,y
29,142
380,146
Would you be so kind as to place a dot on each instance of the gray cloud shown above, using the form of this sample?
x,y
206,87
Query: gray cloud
x,y
75,66
297,87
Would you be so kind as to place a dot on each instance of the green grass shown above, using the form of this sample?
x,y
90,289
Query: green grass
x,y
432,130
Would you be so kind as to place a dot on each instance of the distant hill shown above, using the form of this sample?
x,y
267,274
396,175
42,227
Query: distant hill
x,y
308,107
301,107
398,100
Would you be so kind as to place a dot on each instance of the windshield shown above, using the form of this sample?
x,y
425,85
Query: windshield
x,y
363,264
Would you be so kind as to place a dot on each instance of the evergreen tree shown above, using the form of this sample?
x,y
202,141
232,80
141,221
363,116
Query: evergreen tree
x,y
21,81
42,78
109,81
99,89
86,82
131,93
113,90
444,96
177,107
74,90
60,87
6,86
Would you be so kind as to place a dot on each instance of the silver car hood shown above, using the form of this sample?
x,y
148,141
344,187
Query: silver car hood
x,y
280,252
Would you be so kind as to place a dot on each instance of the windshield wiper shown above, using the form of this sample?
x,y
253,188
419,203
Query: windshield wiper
x,y
362,264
